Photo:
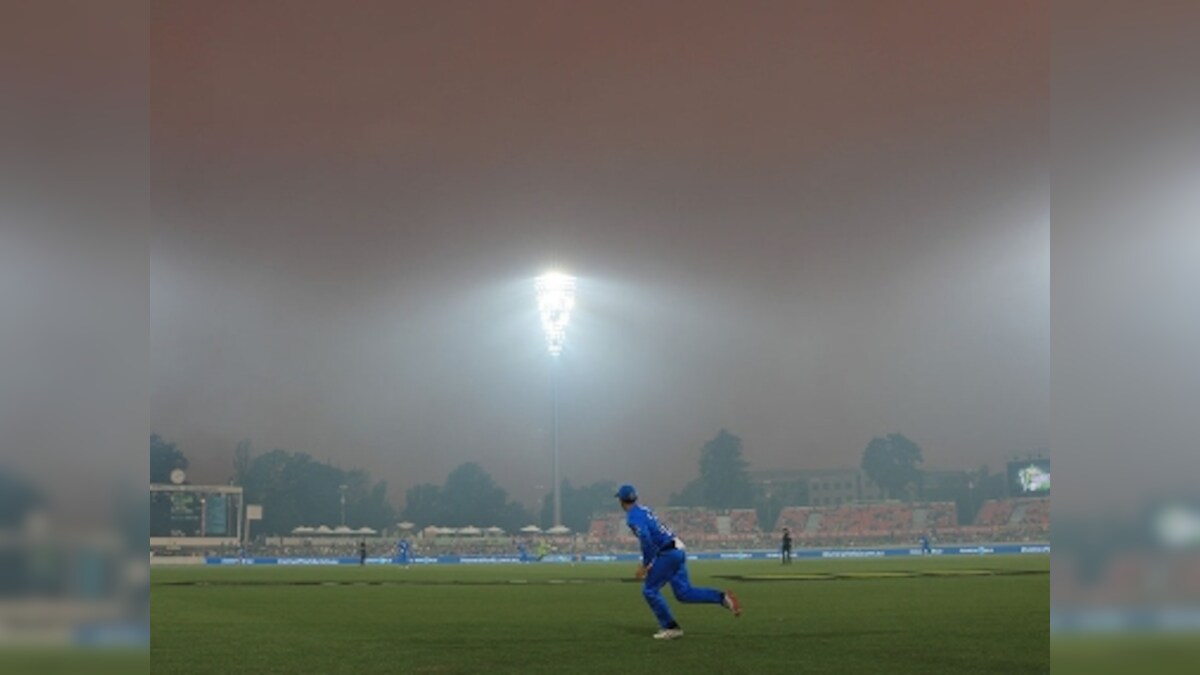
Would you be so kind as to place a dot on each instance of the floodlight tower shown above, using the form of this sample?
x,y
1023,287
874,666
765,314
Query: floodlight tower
x,y
342,488
556,299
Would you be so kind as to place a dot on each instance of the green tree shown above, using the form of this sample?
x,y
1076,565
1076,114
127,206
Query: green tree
x,y
243,459
692,494
269,483
469,497
295,490
366,501
723,477
164,458
513,516
580,504
723,482
422,504
891,461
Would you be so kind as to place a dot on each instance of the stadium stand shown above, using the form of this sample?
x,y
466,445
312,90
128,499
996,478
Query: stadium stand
x,y
995,512
607,527
691,523
1037,513
867,520
1014,513
743,521
795,518
871,524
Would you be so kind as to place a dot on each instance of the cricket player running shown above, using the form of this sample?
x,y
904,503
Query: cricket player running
x,y
664,561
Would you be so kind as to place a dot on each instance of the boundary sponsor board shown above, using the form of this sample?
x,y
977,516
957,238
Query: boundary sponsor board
x,y
839,553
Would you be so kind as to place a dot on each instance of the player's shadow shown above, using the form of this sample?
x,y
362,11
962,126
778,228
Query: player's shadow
x,y
839,634
794,635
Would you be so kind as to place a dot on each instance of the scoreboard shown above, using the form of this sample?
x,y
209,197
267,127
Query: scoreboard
x,y
1029,478
187,511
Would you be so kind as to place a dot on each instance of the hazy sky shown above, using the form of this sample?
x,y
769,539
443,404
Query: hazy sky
x,y
807,222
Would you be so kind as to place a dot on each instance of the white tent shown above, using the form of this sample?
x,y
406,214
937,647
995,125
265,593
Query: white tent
x,y
559,529
365,530
446,530
303,529
323,529
470,531
406,525
531,529
494,530
342,529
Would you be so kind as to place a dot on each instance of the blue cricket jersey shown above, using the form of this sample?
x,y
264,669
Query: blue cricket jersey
x,y
651,534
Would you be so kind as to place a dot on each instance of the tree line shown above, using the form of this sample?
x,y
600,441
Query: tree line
x,y
892,462
295,489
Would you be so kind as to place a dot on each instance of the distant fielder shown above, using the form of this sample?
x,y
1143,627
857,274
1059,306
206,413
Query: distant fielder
x,y
663,562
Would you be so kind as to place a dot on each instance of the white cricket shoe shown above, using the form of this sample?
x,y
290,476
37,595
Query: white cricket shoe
x,y
669,634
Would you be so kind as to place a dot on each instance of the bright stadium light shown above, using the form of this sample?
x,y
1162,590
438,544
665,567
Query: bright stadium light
x,y
556,299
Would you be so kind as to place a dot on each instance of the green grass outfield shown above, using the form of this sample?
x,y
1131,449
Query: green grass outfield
x,y
1120,654
73,661
907,615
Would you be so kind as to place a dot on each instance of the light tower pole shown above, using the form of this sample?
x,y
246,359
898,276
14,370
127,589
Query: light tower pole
x,y
556,299
342,489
